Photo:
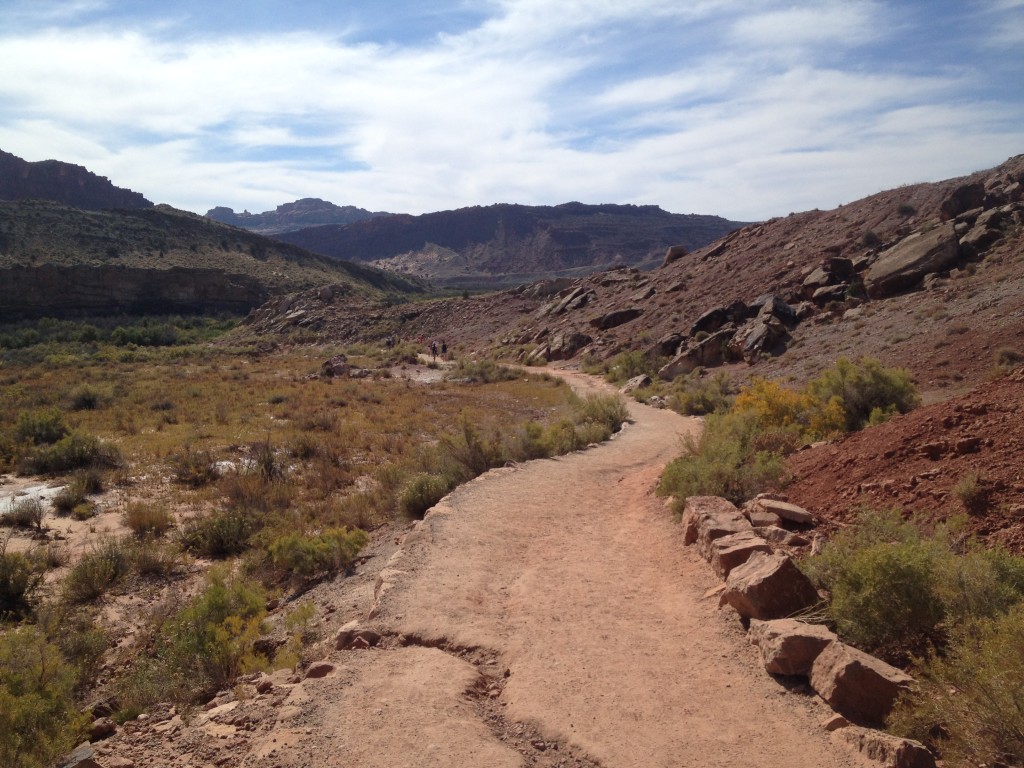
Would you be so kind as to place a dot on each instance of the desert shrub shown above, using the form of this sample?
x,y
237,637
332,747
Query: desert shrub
x,y
26,512
38,718
212,639
974,493
75,493
20,579
697,395
328,552
608,412
471,451
800,416
867,391
421,493
80,639
73,451
97,571
982,583
723,462
625,365
148,519
154,558
193,468
266,463
85,399
483,371
40,427
967,704
219,534
1007,359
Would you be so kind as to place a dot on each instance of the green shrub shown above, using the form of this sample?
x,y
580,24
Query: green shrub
x,y
697,395
471,452
867,391
75,493
974,493
213,637
483,371
606,411
20,579
627,365
73,451
723,462
80,640
982,583
97,571
40,427
26,512
39,721
968,702
148,519
421,493
85,399
219,534
329,552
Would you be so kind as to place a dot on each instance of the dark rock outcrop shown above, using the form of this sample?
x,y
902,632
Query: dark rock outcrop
x,y
29,292
907,262
63,183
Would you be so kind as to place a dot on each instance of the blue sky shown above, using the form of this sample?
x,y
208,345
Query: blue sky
x,y
746,109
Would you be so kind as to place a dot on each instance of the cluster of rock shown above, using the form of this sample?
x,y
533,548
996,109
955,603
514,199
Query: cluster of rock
x,y
749,548
295,310
569,298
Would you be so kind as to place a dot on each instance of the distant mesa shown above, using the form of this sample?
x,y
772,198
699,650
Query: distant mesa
x,y
63,183
506,244
289,217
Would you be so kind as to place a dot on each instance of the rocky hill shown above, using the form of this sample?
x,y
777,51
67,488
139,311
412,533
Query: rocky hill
x,y
59,261
63,183
307,212
501,245
927,276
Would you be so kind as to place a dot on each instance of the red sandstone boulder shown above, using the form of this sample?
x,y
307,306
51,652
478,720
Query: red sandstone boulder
x,y
890,751
735,549
768,587
788,646
856,685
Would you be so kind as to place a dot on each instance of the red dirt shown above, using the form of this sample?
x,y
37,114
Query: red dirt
x,y
915,461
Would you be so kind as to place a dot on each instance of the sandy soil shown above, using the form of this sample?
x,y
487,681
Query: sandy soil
x,y
548,614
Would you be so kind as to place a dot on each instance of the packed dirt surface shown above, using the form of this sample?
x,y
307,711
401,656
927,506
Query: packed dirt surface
x,y
545,614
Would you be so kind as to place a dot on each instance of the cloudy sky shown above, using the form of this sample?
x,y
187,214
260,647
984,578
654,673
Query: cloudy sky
x,y
743,108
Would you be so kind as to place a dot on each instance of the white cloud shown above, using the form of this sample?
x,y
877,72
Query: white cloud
x,y
542,103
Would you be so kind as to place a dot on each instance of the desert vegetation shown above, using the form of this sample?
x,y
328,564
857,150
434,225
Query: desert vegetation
x,y
923,595
213,478
745,438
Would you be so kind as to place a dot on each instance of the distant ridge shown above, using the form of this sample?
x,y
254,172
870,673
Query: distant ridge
x,y
508,244
307,212
63,183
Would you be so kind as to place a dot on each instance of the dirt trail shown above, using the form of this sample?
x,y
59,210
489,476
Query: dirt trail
x,y
548,614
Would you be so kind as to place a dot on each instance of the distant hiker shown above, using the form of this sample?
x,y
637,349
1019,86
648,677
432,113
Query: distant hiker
x,y
433,349
444,349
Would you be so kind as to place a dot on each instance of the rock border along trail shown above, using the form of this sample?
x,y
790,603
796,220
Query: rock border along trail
x,y
547,614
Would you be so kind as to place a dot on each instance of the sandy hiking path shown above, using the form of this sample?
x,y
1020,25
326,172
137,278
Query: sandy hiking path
x,y
548,614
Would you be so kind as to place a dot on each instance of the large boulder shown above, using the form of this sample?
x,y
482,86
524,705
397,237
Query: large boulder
x,y
714,527
783,509
336,366
616,318
856,685
890,751
907,262
728,552
768,587
674,253
963,198
565,344
788,646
